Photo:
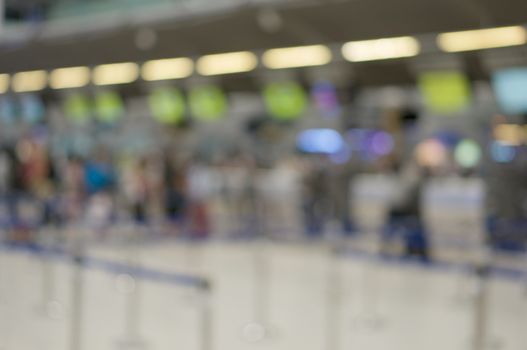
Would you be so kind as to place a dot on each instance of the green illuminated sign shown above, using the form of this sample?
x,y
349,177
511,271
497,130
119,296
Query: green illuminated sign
x,y
285,101
167,105
109,106
445,91
207,103
77,107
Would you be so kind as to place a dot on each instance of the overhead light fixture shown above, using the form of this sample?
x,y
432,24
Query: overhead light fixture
x,y
68,78
380,49
227,63
4,83
482,39
165,69
115,73
29,81
300,56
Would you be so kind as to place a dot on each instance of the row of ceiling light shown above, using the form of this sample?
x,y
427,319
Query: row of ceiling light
x,y
245,61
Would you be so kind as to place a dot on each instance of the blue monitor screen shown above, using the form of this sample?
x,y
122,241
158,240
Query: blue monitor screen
x,y
324,141
510,87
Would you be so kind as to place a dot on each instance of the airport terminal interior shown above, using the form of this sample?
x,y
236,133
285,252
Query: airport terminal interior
x,y
263,174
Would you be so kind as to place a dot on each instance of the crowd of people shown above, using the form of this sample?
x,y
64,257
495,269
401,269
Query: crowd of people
x,y
186,195
180,193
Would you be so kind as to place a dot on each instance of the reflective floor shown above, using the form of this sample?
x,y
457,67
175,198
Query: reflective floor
x,y
263,296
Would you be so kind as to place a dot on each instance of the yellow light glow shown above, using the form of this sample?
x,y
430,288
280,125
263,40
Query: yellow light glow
x,y
482,39
301,56
510,134
227,63
71,77
380,49
29,81
431,153
4,83
165,69
115,73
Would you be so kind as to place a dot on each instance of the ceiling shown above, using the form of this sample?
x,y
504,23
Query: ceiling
x,y
237,28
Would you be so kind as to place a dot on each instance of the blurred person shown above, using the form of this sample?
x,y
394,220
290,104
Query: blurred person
x,y
245,179
175,201
73,188
5,169
506,204
251,208
28,179
315,198
135,188
405,214
200,188
99,174
154,170
506,199
280,189
25,176
340,180
237,190
51,197
40,176
100,181
11,185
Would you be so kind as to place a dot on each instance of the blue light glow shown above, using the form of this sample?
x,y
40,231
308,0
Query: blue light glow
x,y
510,86
325,141
502,153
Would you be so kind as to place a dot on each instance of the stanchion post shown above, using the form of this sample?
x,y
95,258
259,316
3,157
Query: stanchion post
x,y
77,297
334,295
482,272
480,308
204,288
258,329
371,316
525,271
261,286
48,274
132,338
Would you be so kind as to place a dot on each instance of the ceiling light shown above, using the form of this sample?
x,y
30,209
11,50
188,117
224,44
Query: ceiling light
x,y
116,73
380,49
30,81
71,77
301,56
226,63
482,39
4,83
172,68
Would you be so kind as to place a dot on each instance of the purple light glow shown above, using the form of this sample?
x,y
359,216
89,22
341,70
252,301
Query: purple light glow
x,y
381,143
